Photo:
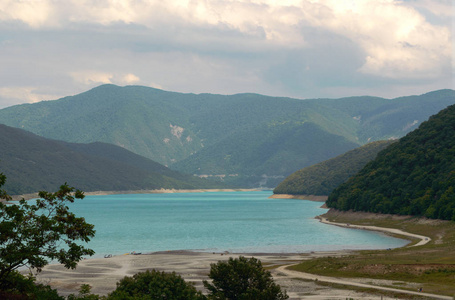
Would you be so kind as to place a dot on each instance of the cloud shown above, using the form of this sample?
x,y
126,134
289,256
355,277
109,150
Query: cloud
x,y
90,77
17,95
397,39
130,78
299,48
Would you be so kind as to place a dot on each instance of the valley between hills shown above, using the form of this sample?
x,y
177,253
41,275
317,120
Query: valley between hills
x,y
379,162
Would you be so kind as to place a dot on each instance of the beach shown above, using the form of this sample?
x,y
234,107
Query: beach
x,y
158,191
103,273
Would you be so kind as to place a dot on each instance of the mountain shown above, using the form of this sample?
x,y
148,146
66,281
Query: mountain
x,y
414,176
32,163
322,178
247,139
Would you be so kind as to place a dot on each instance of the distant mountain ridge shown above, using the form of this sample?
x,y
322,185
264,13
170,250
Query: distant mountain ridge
x,y
322,178
248,138
32,163
414,176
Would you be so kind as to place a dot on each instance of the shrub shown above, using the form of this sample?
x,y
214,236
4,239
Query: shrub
x,y
155,285
242,279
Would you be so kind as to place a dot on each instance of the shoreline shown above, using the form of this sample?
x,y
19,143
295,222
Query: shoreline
x,y
156,191
300,197
103,273
167,191
423,239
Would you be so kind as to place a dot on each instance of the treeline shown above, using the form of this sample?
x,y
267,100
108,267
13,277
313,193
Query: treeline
x,y
34,163
246,135
415,176
321,179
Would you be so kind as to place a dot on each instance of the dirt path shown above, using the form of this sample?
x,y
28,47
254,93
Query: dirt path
x,y
307,276
423,239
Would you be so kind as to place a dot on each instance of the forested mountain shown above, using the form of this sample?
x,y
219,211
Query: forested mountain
x,y
248,138
322,178
414,176
32,163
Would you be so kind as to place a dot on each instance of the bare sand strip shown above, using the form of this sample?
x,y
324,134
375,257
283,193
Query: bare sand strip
x,y
168,191
423,239
160,191
103,273
300,197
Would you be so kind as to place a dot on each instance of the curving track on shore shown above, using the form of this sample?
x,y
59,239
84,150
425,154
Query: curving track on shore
x,y
423,239
307,276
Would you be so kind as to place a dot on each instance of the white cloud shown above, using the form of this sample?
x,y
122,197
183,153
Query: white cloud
x,y
155,85
36,13
90,77
130,78
18,94
300,48
396,38
444,8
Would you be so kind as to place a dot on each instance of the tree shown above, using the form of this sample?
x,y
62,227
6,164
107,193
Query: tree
x,y
33,235
242,278
155,285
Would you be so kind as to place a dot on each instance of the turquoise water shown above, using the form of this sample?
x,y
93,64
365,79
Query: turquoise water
x,y
241,222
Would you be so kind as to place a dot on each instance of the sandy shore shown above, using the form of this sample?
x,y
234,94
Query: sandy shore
x,y
103,273
160,191
301,197
423,239
168,191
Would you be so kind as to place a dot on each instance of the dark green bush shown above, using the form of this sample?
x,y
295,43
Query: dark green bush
x,y
155,285
242,279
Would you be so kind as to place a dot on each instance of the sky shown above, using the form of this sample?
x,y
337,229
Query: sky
x,y
291,48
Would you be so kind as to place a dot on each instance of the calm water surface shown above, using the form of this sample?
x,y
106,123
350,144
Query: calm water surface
x,y
242,222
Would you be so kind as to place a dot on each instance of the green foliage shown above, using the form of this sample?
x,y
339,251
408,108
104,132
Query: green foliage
x,y
151,285
245,134
33,235
324,177
85,294
19,287
242,278
267,150
34,163
414,176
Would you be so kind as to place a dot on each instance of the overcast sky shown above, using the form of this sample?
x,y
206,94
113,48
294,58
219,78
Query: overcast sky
x,y
294,48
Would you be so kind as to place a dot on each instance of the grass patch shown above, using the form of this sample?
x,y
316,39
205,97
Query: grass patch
x,y
387,294
432,266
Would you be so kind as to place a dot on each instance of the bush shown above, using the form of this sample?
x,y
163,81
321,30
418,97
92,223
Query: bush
x,y
155,285
242,278
19,287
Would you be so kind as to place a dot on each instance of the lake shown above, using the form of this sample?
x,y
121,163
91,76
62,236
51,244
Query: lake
x,y
240,222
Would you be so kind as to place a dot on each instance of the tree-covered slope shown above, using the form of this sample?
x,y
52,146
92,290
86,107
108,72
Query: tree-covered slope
x,y
139,119
322,178
415,176
203,133
276,149
32,163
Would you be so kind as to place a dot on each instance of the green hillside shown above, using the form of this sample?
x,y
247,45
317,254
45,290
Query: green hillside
x,y
32,163
274,150
257,138
322,178
414,176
